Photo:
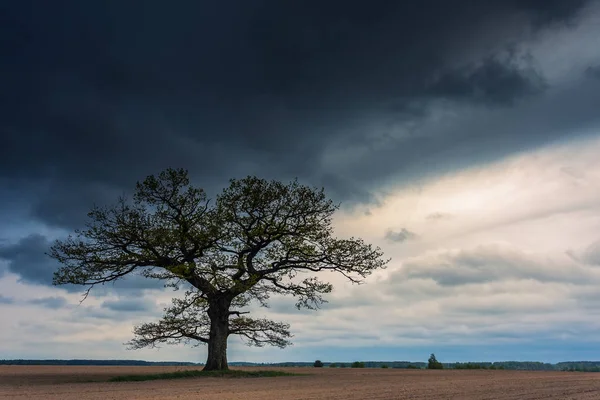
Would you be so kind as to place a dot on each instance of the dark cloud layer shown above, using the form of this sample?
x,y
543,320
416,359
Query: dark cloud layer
x,y
97,95
27,258
593,71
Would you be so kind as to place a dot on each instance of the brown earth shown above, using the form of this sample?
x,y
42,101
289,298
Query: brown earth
x,y
58,382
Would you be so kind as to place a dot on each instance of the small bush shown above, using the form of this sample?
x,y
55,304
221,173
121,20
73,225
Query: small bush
x,y
318,364
333,365
384,366
357,364
342,365
433,363
412,366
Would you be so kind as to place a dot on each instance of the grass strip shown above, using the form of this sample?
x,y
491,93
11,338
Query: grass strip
x,y
198,373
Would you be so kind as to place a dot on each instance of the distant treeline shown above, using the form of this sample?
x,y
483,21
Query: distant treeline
x,y
96,362
367,364
582,366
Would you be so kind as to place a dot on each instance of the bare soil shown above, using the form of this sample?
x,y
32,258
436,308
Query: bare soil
x,y
65,383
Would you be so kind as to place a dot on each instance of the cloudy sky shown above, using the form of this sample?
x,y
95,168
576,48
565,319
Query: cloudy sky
x,y
462,137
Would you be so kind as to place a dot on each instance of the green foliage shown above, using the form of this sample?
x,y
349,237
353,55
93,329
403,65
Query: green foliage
x,y
342,365
433,363
528,365
472,365
384,366
357,364
199,373
318,364
412,366
333,365
257,239
579,366
582,369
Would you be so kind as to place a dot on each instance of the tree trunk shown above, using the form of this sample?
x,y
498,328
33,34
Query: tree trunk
x,y
218,311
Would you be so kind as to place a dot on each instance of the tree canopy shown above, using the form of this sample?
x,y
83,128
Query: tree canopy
x,y
258,238
433,363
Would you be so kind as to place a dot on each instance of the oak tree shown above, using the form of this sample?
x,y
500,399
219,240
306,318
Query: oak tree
x,y
258,238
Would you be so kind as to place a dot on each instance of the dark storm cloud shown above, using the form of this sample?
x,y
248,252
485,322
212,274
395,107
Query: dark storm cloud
x,y
400,236
28,259
96,95
593,72
493,81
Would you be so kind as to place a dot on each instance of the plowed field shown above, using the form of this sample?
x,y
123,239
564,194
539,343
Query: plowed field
x,y
65,383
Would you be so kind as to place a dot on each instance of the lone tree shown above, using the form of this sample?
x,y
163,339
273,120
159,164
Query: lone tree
x,y
257,239
433,363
